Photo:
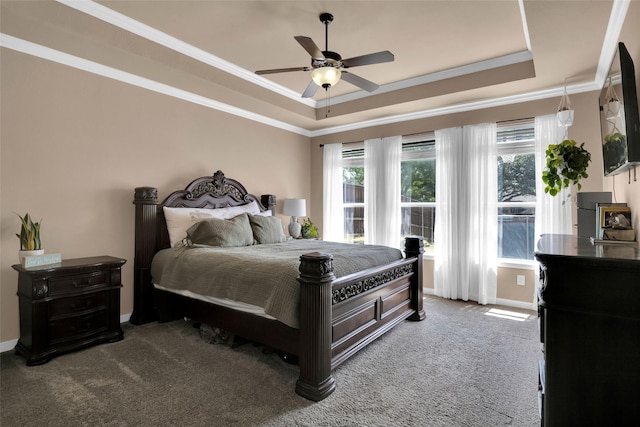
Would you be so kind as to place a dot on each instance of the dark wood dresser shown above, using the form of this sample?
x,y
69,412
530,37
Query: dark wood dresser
x,y
68,306
589,314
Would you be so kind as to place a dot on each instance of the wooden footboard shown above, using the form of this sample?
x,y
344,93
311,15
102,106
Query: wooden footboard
x,y
340,317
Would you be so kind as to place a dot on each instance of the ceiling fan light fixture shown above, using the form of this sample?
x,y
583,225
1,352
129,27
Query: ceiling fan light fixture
x,y
326,76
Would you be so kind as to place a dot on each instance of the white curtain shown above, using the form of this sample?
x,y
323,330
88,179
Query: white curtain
x,y
382,159
553,213
448,236
466,214
332,180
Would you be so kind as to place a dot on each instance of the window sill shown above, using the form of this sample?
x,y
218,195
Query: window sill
x,y
521,264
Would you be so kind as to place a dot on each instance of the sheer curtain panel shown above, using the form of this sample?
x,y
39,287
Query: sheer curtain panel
x,y
332,186
382,158
466,214
448,237
553,213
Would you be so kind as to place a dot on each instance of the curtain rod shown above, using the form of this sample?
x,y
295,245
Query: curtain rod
x,y
345,143
523,120
361,141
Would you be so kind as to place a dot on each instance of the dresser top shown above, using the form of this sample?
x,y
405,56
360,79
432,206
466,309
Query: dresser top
x,y
73,264
572,246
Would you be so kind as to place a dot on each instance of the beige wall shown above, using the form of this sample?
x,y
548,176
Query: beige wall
x,y
74,146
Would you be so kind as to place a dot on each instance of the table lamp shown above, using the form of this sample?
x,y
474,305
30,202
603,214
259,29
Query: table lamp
x,y
295,208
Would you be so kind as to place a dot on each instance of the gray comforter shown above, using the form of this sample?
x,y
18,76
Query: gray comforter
x,y
262,275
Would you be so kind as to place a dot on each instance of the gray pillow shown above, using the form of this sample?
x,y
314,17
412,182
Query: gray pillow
x,y
221,232
267,229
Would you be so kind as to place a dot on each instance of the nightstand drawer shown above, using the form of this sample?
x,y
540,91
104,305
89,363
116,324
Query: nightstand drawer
x,y
73,306
67,284
79,327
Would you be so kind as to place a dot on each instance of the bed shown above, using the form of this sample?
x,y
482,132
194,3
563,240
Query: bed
x,y
336,316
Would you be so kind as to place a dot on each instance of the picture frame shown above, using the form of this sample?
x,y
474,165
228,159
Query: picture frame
x,y
612,216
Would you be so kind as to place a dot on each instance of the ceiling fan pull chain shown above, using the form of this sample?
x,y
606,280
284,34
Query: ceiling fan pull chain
x,y
327,98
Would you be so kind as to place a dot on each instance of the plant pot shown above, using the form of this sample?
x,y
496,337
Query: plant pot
x,y
612,110
565,118
24,253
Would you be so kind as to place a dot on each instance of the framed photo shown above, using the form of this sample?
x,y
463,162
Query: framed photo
x,y
612,217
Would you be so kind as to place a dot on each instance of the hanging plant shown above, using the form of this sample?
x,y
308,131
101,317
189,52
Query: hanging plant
x,y
614,151
567,164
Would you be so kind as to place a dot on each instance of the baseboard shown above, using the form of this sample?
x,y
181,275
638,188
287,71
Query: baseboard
x,y
10,344
499,301
7,345
517,304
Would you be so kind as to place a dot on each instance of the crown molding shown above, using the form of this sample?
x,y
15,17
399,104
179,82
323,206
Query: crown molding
x,y
609,45
131,25
488,64
53,55
618,13
459,108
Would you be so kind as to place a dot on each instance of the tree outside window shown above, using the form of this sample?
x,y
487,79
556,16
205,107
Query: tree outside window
x,y
516,191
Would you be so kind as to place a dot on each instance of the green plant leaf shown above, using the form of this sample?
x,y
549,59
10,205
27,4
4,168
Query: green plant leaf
x,y
566,164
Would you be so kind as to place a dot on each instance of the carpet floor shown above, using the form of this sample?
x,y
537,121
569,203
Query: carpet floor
x,y
464,365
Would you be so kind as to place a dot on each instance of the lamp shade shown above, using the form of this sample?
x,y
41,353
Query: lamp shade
x,y
326,76
295,207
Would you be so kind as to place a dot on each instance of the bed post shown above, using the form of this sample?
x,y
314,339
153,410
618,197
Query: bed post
x,y
414,247
269,202
316,275
146,201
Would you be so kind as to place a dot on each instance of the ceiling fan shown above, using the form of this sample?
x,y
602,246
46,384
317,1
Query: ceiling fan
x,y
328,67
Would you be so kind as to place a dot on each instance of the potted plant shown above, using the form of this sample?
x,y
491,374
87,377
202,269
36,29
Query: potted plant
x,y
309,231
29,237
614,151
567,164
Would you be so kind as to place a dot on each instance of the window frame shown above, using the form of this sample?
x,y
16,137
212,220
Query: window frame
x,y
516,137
513,137
354,158
419,147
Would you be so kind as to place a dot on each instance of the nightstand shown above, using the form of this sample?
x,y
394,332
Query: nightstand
x,y
68,306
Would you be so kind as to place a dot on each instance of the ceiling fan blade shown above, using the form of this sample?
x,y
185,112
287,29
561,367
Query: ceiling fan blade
x,y
359,81
372,58
310,46
283,70
310,90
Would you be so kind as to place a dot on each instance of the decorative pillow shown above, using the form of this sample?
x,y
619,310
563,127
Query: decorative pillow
x,y
267,229
180,219
221,232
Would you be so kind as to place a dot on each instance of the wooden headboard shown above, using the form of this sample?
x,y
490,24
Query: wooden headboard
x,y
151,235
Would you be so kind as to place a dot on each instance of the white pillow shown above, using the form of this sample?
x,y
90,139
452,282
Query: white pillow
x,y
180,219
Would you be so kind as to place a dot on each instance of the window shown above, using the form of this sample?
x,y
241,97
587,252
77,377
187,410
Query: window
x,y
516,191
418,192
418,178
353,193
